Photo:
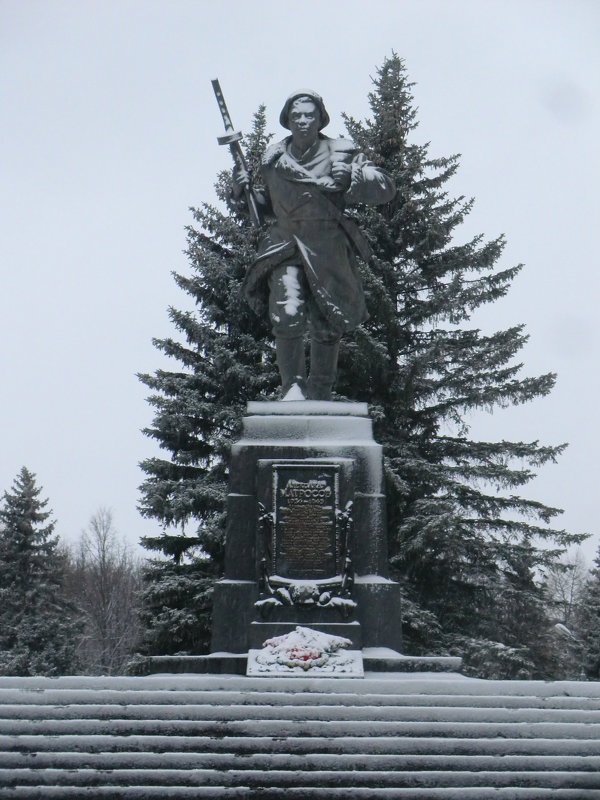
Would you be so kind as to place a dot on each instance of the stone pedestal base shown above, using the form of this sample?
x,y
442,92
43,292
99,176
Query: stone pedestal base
x,y
306,504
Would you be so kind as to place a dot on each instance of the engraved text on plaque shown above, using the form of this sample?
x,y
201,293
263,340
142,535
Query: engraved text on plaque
x,y
306,541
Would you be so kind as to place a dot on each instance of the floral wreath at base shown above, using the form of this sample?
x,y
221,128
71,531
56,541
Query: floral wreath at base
x,y
303,648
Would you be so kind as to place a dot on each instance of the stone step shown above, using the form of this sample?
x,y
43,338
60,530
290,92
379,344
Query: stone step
x,y
309,727
297,793
295,778
300,745
309,761
381,745
159,696
297,714
396,684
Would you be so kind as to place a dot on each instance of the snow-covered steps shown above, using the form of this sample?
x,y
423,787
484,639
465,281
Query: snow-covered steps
x,y
389,736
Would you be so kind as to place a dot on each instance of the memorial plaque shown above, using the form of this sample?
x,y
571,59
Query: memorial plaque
x,y
305,534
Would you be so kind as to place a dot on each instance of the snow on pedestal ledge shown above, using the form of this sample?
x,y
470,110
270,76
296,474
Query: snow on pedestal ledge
x,y
306,653
297,407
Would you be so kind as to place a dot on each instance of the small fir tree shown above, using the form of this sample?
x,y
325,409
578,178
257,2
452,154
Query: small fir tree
x,y
38,631
457,526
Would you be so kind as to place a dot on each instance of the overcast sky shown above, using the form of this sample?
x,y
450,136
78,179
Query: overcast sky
x,y
108,135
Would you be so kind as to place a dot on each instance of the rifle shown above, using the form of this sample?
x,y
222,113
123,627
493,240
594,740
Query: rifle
x,y
232,138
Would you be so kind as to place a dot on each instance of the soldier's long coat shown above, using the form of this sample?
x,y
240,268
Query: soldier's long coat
x,y
310,229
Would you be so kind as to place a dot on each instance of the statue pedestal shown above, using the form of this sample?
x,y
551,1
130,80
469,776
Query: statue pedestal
x,y
306,530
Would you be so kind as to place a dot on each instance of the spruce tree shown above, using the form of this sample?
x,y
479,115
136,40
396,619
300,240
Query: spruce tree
x,y
38,632
457,526
227,359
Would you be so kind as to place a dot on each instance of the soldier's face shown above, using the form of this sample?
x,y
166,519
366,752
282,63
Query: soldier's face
x,y
304,120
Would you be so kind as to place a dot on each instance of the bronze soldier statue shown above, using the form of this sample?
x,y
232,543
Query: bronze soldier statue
x,y
306,259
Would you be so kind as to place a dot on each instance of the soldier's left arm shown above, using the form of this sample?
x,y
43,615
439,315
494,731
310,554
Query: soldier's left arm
x,y
369,184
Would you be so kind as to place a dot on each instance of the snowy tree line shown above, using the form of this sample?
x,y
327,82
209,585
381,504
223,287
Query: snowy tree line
x,y
70,610
63,609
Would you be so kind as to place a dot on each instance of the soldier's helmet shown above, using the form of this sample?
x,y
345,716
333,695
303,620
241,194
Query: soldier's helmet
x,y
317,100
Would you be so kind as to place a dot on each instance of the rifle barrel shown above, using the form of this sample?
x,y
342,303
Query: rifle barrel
x,y
232,139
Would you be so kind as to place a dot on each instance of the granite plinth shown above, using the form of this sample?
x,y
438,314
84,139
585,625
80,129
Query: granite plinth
x,y
333,443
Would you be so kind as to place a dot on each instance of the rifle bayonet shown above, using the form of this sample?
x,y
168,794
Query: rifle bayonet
x,y
232,139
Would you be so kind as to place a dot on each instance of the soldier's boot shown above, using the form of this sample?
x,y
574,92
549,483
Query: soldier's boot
x,y
291,362
323,369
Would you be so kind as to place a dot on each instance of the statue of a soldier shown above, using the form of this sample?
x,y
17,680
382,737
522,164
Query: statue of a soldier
x,y
306,259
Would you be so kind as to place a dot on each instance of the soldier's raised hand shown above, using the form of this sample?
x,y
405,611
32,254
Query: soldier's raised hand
x,y
341,173
240,180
